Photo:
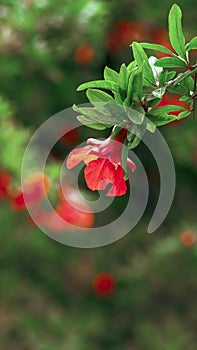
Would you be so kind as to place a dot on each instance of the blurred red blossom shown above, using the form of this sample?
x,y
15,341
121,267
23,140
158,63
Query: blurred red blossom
x,y
70,210
124,32
188,238
70,138
5,184
34,192
104,284
84,54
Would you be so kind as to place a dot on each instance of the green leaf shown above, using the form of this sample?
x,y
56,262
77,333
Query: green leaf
x,y
123,81
85,121
170,62
137,88
175,31
142,60
95,96
184,75
94,116
171,75
153,102
135,116
101,84
186,99
163,78
157,47
133,144
166,109
161,119
110,75
115,111
184,87
129,97
131,65
192,45
150,126
183,115
135,134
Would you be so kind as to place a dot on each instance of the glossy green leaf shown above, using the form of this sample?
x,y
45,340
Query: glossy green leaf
x,y
110,75
138,132
115,111
96,116
153,102
135,116
171,75
123,81
175,30
184,87
101,84
183,115
157,47
137,88
170,62
134,143
129,97
184,75
165,109
142,60
95,96
192,45
131,65
163,77
151,127
162,119
186,99
85,121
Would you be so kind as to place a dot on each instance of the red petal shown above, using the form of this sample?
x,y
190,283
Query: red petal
x,y
99,173
79,154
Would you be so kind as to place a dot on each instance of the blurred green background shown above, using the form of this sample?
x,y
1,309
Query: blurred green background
x,y
47,48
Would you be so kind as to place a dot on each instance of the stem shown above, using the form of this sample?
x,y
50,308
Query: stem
x,y
176,80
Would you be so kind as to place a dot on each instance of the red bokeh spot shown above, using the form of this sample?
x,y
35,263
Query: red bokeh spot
x,y
84,54
71,138
34,192
17,201
188,238
124,32
72,210
104,284
5,183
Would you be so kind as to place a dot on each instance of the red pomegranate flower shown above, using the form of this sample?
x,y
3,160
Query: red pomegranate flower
x,y
103,163
104,284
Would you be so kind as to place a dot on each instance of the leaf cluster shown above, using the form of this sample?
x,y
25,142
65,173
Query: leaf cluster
x,y
130,98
